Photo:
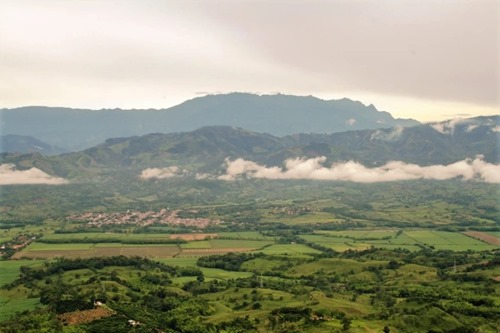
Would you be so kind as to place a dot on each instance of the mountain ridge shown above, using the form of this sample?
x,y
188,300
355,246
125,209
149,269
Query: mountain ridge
x,y
278,115
205,150
27,144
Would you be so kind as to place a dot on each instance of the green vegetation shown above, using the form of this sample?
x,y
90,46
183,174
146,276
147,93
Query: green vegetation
x,y
285,257
392,239
356,290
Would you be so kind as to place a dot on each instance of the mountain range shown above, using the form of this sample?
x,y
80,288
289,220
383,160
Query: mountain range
x,y
27,144
205,150
278,115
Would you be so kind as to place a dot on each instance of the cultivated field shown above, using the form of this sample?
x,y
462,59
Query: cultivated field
x,y
487,238
192,237
200,244
391,239
193,247
290,249
48,251
84,316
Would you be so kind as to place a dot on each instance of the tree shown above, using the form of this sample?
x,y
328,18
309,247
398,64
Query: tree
x,y
346,324
393,264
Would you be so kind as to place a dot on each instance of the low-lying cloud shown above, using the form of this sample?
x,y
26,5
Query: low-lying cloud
x,y
162,173
448,127
350,121
387,135
10,176
313,168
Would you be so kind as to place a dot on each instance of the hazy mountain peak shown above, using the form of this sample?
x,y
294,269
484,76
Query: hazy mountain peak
x,y
278,115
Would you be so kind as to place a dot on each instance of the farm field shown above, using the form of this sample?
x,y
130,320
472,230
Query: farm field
x,y
227,244
391,239
485,237
106,235
444,240
179,261
191,248
48,251
211,274
10,305
336,243
361,234
290,249
268,277
250,235
197,244
9,269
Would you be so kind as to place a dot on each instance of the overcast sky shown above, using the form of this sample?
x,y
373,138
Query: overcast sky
x,y
429,60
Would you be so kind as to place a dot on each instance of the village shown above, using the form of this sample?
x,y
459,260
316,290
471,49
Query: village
x,y
164,216
7,249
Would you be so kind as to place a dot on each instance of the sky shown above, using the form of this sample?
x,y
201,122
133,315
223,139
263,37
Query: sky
x,y
422,59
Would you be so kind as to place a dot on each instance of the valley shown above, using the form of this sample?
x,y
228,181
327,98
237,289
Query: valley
x,y
226,230
278,166
269,256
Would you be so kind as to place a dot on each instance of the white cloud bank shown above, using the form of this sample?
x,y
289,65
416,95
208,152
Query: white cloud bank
x,y
162,173
301,168
10,176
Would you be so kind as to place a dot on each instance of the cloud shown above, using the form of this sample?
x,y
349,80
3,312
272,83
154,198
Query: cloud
x,y
472,127
202,176
350,121
489,172
10,176
301,168
162,173
392,135
404,48
448,127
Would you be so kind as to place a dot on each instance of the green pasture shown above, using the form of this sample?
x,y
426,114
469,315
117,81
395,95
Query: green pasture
x,y
329,265
9,269
361,234
311,217
261,265
9,234
336,243
392,239
36,246
239,243
181,280
291,249
11,305
444,240
179,261
106,235
360,307
410,274
4,238
226,244
269,299
103,245
221,274
202,244
249,235
71,250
